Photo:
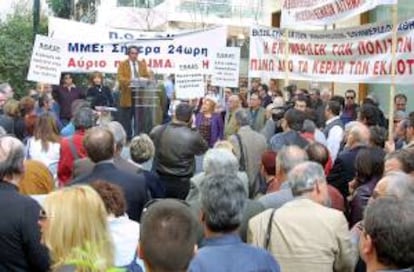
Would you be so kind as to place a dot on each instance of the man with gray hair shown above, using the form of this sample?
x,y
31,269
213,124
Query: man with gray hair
x,y
216,161
304,235
249,146
223,199
343,170
387,241
20,247
85,165
394,184
7,90
286,160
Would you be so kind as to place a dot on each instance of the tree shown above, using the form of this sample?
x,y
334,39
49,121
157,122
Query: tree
x,y
61,8
16,36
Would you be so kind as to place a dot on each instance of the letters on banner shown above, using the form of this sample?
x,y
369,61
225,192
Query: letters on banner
x,y
299,13
189,80
226,67
354,55
94,48
46,61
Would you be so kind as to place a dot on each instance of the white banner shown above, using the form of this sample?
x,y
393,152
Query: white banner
x,y
189,80
93,48
46,62
356,55
226,66
299,13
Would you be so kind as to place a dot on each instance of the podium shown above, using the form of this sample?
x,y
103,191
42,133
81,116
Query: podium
x,y
146,105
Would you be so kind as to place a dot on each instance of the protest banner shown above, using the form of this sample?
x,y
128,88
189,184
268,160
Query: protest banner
x,y
46,63
189,80
226,67
299,13
353,55
95,48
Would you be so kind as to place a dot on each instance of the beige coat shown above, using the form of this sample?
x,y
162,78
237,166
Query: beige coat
x,y
306,237
230,124
254,145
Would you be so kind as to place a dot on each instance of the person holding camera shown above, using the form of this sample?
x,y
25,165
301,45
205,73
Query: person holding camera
x,y
176,146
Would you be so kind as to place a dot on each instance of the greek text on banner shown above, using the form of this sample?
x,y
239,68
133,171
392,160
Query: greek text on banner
x,y
355,55
299,13
94,48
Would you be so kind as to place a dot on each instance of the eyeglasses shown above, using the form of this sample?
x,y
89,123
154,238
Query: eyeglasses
x,y
350,97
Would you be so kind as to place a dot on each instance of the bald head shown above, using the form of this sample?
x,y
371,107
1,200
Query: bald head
x,y
11,157
288,157
358,135
396,184
99,144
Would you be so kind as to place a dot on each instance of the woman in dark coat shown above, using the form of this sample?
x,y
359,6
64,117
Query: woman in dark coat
x,y
99,94
369,167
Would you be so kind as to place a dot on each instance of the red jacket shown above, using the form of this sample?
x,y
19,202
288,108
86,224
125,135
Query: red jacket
x,y
65,166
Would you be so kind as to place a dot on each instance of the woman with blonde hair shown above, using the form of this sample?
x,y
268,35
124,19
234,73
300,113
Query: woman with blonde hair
x,y
209,123
74,228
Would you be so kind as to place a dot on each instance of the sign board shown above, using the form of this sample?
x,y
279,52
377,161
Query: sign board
x,y
189,80
46,62
225,67
353,55
94,48
299,13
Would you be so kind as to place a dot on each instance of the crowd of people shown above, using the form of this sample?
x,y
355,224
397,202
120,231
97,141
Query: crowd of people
x,y
293,180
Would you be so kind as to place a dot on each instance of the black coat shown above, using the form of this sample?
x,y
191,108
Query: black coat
x,y
20,248
133,186
176,147
100,96
343,170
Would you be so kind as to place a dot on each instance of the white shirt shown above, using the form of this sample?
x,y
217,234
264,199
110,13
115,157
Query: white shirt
x,y
320,137
335,136
50,158
125,236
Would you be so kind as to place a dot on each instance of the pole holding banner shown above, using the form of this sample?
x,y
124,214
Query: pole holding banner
x,y
394,11
286,56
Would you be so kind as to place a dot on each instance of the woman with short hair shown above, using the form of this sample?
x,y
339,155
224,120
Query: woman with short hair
x,y
209,123
124,231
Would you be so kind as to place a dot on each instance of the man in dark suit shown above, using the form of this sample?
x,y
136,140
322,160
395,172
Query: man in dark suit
x,y
85,165
99,144
20,247
343,170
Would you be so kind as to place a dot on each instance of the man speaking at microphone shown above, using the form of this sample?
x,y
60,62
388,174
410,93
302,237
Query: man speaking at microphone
x,y
129,70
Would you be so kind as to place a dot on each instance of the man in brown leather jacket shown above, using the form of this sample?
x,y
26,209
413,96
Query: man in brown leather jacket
x,y
129,69
176,146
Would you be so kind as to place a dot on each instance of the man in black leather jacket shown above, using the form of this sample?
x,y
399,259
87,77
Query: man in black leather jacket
x,y
176,146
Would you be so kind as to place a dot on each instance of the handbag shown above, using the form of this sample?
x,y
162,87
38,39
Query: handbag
x,y
269,231
242,162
